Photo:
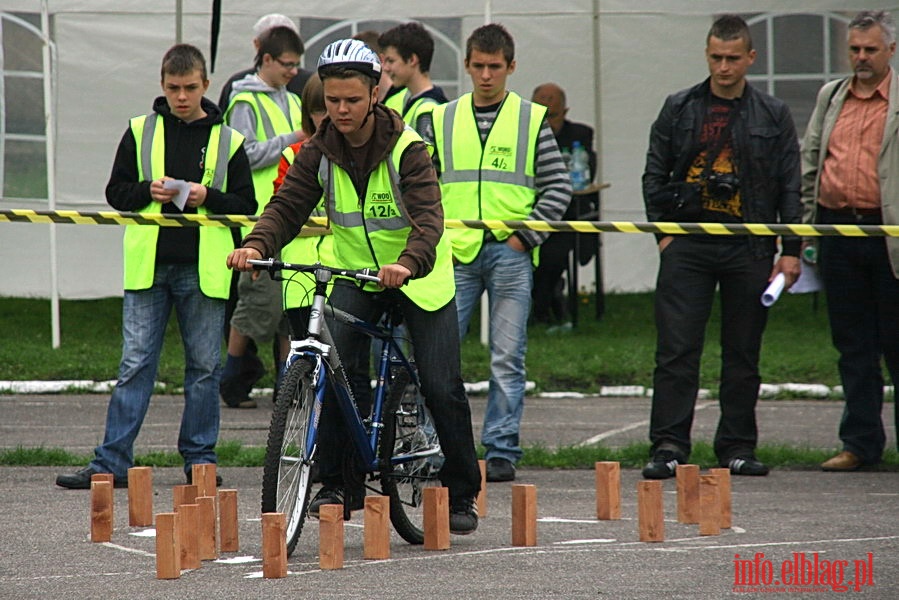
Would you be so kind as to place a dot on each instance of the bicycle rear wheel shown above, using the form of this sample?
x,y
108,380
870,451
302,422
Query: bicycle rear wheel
x,y
407,432
286,475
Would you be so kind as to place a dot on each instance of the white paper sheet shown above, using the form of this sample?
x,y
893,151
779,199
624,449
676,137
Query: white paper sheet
x,y
183,188
772,293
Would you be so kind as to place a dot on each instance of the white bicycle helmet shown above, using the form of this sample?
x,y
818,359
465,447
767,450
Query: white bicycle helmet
x,y
351,54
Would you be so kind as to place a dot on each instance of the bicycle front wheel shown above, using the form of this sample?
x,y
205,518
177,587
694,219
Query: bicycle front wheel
x,y
286,476
409,453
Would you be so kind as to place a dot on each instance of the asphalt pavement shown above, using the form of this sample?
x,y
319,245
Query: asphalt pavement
x,y
795,533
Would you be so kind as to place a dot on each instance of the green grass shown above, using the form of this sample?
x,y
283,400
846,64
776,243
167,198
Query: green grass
x,y
235,454
616,350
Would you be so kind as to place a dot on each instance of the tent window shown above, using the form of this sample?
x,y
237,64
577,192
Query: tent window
x,y
796,55
23,168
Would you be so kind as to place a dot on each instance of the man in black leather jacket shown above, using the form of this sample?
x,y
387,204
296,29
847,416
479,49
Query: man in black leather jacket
x,y
737,151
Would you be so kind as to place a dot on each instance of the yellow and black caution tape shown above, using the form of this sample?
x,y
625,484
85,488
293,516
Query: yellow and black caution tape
x,y
318,224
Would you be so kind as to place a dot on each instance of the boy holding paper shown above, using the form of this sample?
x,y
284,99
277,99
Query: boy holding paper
x,y
184,138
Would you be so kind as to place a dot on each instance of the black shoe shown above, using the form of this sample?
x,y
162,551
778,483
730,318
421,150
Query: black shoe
x,y
235,393
331,495
81,480
747,465
500,469
663,465
463,517
190,478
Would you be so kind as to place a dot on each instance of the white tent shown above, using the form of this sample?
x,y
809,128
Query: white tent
x,y
617,59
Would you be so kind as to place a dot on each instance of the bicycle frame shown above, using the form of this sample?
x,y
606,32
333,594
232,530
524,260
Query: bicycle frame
x,y
318,347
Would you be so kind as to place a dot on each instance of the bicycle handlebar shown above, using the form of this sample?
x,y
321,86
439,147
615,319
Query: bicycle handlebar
x,y
271,264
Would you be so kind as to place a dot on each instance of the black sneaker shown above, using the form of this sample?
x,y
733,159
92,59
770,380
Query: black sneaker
x,y
331,495
663,465
747,465
235,393
81,480
500,469
463,517
190,478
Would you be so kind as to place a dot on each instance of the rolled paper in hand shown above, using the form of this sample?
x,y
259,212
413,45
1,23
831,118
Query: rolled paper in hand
x,y
772,293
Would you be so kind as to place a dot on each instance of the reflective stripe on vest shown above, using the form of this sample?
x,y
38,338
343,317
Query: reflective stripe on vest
x,y
270,123
215,242
372,231
499,172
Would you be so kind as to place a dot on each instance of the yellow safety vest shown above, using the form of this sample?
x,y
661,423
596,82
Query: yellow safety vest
x,y
215,242
372,231
489,180
305,250
397,101
270,122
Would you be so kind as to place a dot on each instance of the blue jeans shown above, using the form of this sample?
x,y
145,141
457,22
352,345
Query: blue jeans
x,y
863,307
507,276
145,314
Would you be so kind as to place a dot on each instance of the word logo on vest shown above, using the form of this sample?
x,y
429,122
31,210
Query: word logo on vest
x,y
382,205
499,154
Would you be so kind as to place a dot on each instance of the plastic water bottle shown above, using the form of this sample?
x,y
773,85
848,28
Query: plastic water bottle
x,y
580,167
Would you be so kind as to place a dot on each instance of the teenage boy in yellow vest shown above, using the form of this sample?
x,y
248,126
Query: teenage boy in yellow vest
x,y
368,153
269,116
498,160
407,50
165,267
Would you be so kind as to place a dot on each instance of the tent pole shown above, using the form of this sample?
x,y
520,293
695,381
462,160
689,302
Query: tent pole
x,y
179,9
597,129
50,145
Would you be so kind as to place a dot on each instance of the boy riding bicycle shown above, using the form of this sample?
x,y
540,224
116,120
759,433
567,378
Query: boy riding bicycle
x,y
384,207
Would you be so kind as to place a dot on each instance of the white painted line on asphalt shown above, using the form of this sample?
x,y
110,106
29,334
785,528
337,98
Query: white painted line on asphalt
x,y
145,533
238,560
613,432
127,549
561,520
596,541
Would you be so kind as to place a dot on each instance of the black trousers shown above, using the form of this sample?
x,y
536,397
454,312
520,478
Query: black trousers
x,y
863,307
690,269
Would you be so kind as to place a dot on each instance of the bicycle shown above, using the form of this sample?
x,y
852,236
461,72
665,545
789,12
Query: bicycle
x,y
392,444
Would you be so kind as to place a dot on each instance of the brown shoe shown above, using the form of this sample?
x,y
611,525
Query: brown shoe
x,y
844,461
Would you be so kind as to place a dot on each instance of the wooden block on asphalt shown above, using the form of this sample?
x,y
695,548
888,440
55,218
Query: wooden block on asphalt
x,y
274,545
524,515
688,494
103,477
203,476
188,519
168,547
724,494
608,490
482,495
650,511
376,531
709,505
228,537
140,496
101,510
436,518
184,494
330,536
206,534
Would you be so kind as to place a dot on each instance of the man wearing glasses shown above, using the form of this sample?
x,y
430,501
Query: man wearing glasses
x,y
268,115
